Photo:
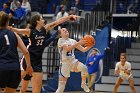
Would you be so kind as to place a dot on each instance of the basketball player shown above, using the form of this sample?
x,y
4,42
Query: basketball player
x,y
68,62
10,74
37,36
92,65
123,68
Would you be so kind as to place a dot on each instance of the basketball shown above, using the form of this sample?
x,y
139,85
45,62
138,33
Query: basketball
x,y
90,41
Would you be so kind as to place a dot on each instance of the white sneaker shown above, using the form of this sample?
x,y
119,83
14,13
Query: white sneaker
x,y
85,87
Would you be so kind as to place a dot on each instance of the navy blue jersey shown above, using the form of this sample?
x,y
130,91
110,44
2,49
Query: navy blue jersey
x,y
37,45
9,59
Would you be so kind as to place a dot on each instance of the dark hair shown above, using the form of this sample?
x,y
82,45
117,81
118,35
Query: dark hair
x,y
33,21
4,19
123,54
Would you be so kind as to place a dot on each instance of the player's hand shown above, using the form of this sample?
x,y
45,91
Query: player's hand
x,y
81,42
126,71
29,70
116,72
74,17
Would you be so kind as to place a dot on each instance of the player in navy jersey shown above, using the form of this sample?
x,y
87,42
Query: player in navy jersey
x,y
10,74
37,35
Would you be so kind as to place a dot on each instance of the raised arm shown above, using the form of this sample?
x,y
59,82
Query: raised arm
x,y
60,21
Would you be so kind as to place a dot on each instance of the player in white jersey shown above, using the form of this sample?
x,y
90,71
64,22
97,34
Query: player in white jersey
x,y
123,68
68,62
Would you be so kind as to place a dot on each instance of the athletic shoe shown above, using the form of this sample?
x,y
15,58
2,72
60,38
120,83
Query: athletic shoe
x,y
85,87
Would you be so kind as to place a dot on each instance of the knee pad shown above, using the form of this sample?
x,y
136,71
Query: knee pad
x,y
61,87
81,67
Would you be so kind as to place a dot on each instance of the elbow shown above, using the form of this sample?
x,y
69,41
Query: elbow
x,y
83,50
26,53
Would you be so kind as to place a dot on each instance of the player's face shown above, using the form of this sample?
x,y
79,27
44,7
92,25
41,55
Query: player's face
x,y
64,32
41,21
122,59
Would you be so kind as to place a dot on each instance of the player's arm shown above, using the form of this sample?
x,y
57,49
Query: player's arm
x,y
128,71
117,69
25,52
60,21
49,40
71,47
83,49
20,31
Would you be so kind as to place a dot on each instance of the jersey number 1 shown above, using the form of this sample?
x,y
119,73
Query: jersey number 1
x,y
7,40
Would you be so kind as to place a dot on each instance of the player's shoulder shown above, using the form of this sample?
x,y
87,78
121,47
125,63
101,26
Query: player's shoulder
x,y
128,63
118,63
60,39
70,39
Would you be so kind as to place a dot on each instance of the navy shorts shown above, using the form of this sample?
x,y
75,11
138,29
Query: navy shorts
x,y
10,79
36,68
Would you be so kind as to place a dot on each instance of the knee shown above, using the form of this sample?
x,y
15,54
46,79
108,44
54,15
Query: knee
x,y
84,70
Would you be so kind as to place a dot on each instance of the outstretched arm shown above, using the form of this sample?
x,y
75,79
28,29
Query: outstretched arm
x,y
20,31
49,40
60,21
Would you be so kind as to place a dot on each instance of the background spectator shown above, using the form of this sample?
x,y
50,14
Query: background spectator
x,y
62,13
13,5
26,5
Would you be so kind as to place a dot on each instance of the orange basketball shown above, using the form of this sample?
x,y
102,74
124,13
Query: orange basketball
x,y
90,41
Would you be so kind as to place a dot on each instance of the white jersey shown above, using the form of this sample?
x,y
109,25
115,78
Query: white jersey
x,y
66,57
121,68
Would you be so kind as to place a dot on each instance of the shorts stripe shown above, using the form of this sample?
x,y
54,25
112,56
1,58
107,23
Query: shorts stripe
x,y
60,72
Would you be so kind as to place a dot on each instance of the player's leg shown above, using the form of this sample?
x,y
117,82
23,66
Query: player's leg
x,y
80,67
131,84
9,90
36,81
61,84
25,78
24,82
13,82
118,82
64,73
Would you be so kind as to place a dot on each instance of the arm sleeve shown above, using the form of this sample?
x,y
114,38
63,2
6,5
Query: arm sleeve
x,y
129,66
49,40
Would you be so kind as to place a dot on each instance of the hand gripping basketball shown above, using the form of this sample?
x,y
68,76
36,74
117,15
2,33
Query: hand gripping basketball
x,y
90,41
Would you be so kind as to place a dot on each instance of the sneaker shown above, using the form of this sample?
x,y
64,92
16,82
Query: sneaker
x,y
85,87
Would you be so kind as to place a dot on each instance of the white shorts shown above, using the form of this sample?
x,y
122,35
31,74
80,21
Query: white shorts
x,y
127,77
67,67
